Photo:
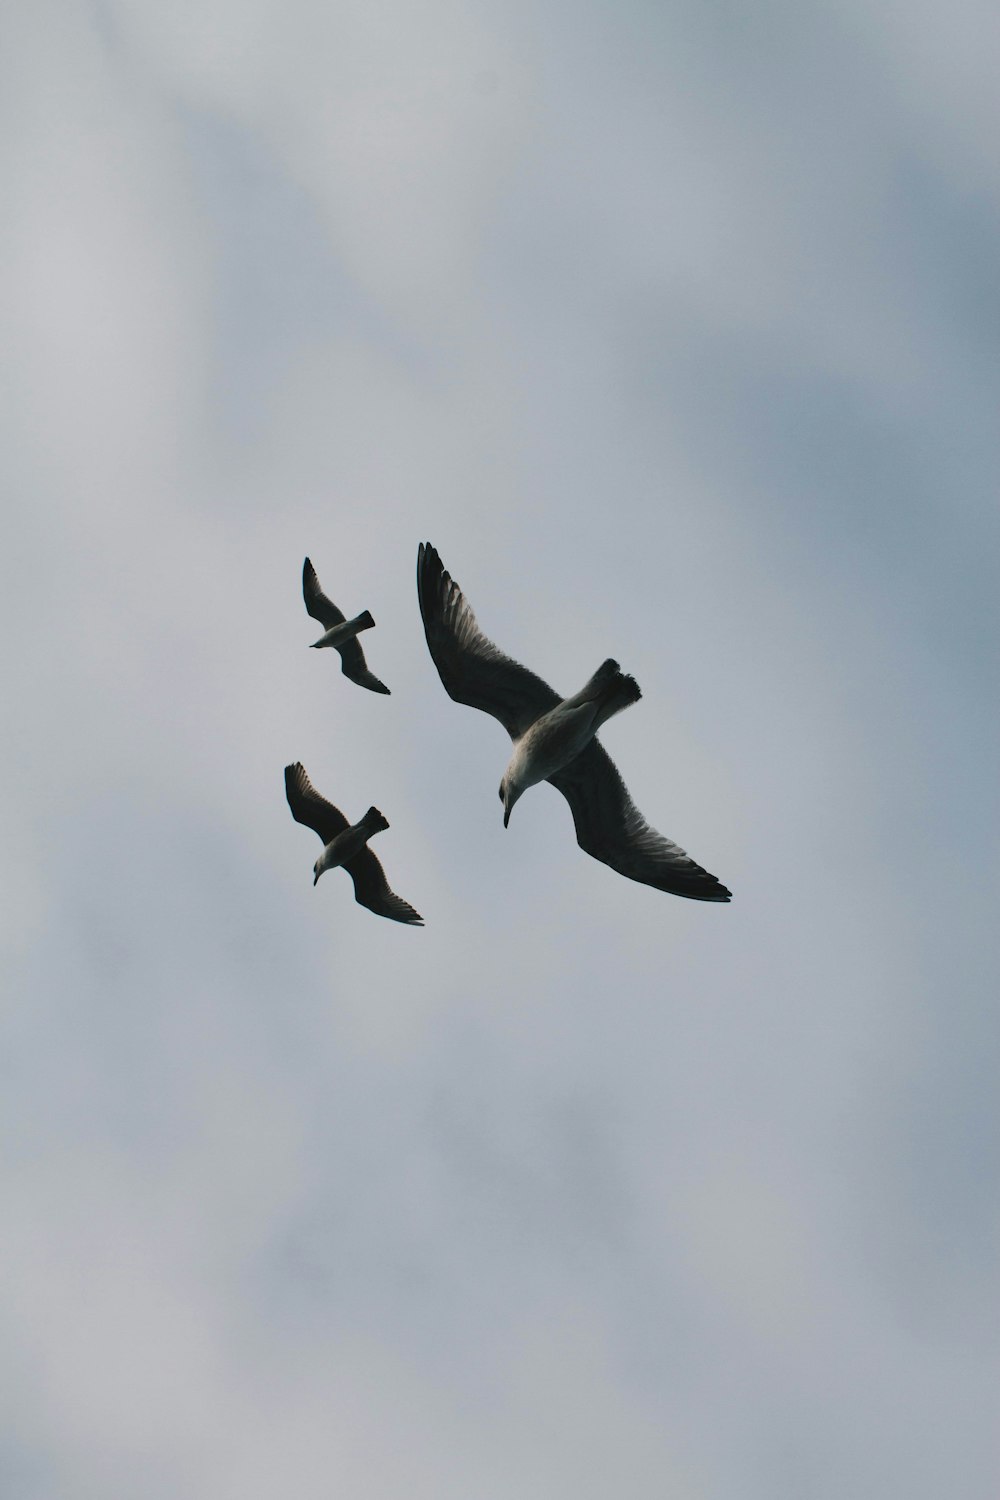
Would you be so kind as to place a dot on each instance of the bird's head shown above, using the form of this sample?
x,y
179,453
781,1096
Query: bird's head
x,y
509,793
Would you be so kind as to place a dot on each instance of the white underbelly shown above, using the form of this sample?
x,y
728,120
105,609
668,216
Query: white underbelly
x,y
556,739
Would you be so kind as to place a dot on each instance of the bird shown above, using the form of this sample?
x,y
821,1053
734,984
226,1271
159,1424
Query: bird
x,y
346,844
554,739
339,632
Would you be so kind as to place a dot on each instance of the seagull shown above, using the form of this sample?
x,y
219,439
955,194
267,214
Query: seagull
x,y
554,739
347,844
339,632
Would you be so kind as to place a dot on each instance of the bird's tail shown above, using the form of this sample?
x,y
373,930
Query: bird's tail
x,y
374,821
365,621
610,690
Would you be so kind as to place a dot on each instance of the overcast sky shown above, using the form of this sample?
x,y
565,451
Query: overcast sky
x,y
676,329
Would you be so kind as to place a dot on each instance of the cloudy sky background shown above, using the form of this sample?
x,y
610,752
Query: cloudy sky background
x,y
675,328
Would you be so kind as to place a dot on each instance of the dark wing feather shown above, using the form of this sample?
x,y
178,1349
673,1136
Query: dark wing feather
x,y
309,807
371,889
473,670
354,666
317,604
610,827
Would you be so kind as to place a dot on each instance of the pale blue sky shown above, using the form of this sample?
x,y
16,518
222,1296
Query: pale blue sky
x,y
675,329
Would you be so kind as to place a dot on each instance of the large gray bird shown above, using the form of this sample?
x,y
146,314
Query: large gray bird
x,y
554,739
347,844
339,632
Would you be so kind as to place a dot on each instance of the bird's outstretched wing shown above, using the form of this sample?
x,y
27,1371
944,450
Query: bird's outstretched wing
x,y
317,604
309,807
354,666
371,889
610,827
352,658
473,670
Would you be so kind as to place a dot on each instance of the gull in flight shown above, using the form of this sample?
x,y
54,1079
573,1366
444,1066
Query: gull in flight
x,y
339,632
347,844
555,739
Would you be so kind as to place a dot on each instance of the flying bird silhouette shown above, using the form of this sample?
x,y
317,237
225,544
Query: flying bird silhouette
x,y
554,739
339,632
347,844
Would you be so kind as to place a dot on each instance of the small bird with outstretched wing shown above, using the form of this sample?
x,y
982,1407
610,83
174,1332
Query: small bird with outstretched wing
x,y
339,632
346,844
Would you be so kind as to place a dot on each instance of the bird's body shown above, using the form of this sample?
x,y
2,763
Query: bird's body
x,y
554,739
339,632
557,737
346,844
